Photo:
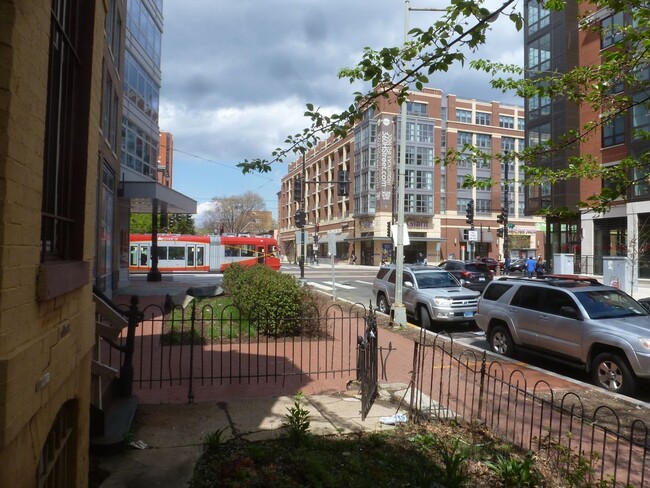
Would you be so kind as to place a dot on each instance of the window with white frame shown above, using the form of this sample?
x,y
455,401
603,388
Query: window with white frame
x,y
506,121
463,116
483,118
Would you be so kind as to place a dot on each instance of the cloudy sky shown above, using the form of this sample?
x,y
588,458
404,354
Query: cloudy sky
x,y
237,74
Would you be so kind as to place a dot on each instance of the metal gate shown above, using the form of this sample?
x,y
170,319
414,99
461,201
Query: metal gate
x,y
368,363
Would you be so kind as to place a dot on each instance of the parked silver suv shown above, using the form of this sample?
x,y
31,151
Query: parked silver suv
x,y
577,320
429,294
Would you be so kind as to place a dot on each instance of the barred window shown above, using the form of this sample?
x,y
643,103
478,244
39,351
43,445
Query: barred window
x,y
64,159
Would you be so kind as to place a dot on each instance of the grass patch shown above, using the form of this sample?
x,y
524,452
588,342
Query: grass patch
x,y
425,455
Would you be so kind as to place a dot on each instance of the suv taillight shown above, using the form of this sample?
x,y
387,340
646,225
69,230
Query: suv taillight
x,y
465,274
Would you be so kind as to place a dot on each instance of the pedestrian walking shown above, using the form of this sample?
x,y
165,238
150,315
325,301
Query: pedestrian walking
x,y
539,267
530,266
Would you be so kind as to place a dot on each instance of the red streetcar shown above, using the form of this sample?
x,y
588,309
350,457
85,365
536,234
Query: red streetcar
x,y
177,252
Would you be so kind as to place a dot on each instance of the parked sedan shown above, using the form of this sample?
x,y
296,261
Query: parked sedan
x,y
474,276
518,265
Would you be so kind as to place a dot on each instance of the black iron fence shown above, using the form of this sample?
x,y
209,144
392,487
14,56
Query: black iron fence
x,y
368,357
453,383
202,346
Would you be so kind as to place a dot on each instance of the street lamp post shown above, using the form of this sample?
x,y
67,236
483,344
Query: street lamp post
x,y
399,311
506,204
303,251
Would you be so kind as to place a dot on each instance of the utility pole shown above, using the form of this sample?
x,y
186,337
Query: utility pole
x,y
304,214
506,204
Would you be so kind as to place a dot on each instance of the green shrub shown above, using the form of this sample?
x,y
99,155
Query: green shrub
x,y
273,301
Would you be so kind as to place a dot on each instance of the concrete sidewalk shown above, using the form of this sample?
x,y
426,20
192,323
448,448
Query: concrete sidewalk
x,y
172,435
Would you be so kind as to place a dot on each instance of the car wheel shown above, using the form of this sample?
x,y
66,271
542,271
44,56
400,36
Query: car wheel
x,y
382,304
611,371
424,318
501,341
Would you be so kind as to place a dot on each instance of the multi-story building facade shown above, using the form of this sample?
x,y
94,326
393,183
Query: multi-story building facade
x,y
143,190
554,42
50,99
435,197
166,159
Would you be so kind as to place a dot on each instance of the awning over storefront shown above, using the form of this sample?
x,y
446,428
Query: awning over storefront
x,y
142,194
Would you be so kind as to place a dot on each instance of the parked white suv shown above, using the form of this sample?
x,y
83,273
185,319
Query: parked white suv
x,y
429,294
576,320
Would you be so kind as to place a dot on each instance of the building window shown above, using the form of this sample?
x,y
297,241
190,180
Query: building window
x,y
539,135
521,123
463,138
424,203
508,144
484,141
64,159
425,133
506,122
424,180
464,116
56,463
538,16
538,106
416,108
539,54
483,118
640,115
611,30
614,132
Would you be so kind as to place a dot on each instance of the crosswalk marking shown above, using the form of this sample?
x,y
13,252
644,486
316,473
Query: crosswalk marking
x,y
339,285
364,282
327,285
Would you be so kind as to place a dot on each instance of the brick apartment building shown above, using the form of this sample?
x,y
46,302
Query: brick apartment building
x,y
435,202
50,99
554,42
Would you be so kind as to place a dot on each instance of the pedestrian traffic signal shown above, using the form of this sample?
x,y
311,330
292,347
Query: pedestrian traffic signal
x,y
299,217
297,189
470,212
502,218
499,232
344,184
388,224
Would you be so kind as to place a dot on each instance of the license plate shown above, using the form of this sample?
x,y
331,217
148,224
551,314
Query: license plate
x,y
468,314
481,278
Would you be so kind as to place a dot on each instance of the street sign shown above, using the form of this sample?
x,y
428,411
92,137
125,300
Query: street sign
x,y
511,226
331,242
472,235
298,238
315,247
393,233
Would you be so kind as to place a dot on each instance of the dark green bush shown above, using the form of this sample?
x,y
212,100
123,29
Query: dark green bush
x,y
272,300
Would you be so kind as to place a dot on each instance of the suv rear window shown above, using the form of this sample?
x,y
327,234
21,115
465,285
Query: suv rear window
x,y
483,268
382,272
495,290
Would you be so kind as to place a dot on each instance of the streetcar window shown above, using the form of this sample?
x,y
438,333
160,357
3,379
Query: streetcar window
x,y
177,253
231,252
133,256
161,253
272,252
248,250
190,255
199,255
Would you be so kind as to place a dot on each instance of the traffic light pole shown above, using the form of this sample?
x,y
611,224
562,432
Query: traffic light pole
x,y
302,229
506,204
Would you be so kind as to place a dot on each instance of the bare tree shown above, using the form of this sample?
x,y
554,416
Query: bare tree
x,y
237,214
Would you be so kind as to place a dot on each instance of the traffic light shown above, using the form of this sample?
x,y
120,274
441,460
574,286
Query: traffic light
x,y
502,218
344,184
388,224
300,219
221,230
470,212
317,228
297,189
499,232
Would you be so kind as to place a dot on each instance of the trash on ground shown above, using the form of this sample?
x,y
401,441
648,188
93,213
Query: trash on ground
x,y
398,418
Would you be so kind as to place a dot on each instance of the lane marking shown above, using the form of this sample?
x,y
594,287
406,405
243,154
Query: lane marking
x,y
339,285
364,282
319,286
